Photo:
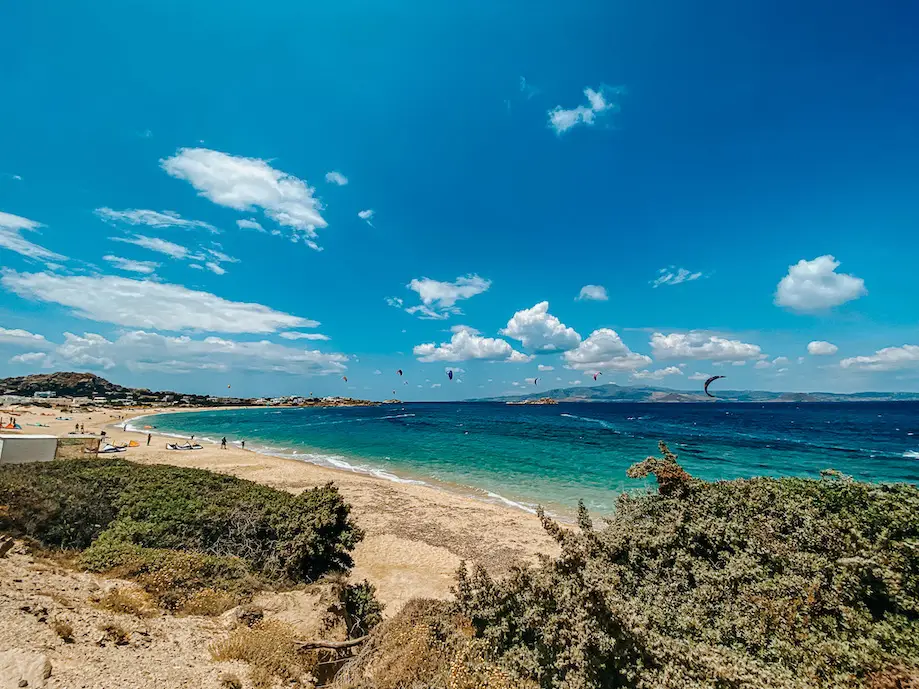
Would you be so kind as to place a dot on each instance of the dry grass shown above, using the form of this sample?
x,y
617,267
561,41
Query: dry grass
x,y
271,651
63,629
127,601
230,682
209,602
117,634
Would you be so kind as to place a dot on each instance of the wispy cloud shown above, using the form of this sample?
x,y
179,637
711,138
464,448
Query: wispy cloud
x,y
336,178
144,267
137,216
11,229
366,216
438,299
672,275
593,293
149,304
158,245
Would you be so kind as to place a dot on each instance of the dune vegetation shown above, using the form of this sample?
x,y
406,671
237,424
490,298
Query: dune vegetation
x,y
786,583
195,540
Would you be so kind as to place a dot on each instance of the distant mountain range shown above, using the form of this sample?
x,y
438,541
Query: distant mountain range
x,y
640,393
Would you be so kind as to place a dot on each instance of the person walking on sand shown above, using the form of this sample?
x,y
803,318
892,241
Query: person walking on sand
x,y
223,444
149,436
243,443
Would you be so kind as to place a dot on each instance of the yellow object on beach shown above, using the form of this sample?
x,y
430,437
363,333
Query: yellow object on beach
x,y
133,443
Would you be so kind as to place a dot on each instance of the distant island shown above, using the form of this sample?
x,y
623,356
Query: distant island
x,y
539,400
642,393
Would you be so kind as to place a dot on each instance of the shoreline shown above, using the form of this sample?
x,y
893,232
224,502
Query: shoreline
x,y
416,536
342,463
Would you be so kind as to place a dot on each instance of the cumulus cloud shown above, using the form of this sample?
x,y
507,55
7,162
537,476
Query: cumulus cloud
x,y
161,246
698,376
250,224
604,350
701,345
148,304
11,229
247,184
31,359
887,359
137,216
659,374
336,178
539,330
144,267
21,338
674,276
562,119
544,367
593,293
438,299
304,336
145,351
467,344
815,285
821,348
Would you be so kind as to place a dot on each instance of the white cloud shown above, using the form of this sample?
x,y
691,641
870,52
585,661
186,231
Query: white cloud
x,y
701,345
138,216
145,351
667,276
698,376
250,224
468,344
780,361
821,348
366,216
593,293
436,385
456,370
245,184
31,359
762,364
336,178
304,336
543,367
539,330
561,119
215,268
159,245
145,267
378,372
147,304
815,285
605,350
659,374
11,227
574,382
887,359
21,338
438,299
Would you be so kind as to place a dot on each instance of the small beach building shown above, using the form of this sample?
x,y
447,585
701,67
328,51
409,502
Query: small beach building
x,y
20,449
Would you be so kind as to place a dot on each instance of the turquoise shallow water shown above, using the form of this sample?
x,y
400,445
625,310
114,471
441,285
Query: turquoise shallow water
x,y
556,455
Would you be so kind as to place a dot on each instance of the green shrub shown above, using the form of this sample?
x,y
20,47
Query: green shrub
x,y
362,610
784,583
225,529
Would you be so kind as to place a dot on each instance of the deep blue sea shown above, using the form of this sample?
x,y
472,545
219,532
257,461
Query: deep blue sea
x,y
556,455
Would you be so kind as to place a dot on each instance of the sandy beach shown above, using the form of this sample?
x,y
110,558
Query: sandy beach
x,y
416,536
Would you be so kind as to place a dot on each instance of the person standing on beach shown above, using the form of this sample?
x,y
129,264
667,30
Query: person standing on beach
x,y
149,436
243,443
223,444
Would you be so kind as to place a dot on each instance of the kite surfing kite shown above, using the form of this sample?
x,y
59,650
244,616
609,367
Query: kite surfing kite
x,y
709,382
535,381
450,375
345,378
598,373
399,371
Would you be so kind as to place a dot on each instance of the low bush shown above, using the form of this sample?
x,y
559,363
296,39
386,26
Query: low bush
x,y
784,583
271,650
196,541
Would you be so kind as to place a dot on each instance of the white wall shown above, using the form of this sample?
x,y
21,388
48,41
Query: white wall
x,y
19,449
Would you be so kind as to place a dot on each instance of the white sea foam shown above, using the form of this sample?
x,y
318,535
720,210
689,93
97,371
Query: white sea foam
x,y
911,454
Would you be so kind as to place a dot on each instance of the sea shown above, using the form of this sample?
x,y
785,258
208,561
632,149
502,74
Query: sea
x,y
556,455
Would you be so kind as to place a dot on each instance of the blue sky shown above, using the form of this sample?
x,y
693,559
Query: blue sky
x,y
168,217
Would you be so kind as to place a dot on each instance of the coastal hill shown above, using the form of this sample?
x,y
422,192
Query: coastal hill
x,y
90,387
612,392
